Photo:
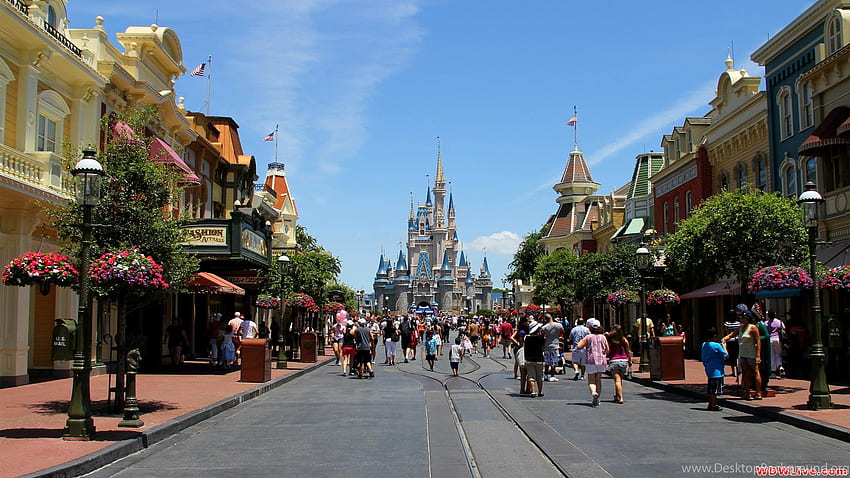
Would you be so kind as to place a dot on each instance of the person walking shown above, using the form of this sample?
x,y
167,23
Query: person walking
x,y
533,350
731,326
579,357
474,333
776,329
619,359
406,331
596,346
175,337
456,355
248,327
713,356
552,331
349,348
212,338
749,350
228,348
337,332
516,343
363,338
431,349
506,331
391,339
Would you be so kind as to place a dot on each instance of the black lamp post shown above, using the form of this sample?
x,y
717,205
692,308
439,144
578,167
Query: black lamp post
x,y
282,262
642,257
819,396
80,426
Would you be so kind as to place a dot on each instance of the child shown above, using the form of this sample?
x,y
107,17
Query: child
x,y
228,348
713,358
456,355
431,349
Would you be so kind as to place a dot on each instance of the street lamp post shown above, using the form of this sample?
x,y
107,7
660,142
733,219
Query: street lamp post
x,y
80,426
282,262
642,261
819,396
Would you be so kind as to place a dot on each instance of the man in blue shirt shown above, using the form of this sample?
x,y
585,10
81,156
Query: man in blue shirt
x,y
431,349
713,359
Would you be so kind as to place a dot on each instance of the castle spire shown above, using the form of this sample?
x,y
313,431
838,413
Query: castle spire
x,y
411,206
440,179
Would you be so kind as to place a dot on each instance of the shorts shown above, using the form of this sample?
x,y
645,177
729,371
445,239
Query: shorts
x,y
364,356
551,357
430,356
618,365
579,357
534,370
349,350
715,386
454,365
751,361
593,368
338,341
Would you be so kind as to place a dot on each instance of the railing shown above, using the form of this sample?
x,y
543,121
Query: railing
x,y
52,31
27,169
258,188
20,6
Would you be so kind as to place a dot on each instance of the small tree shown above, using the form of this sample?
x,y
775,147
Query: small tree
x,y
736,233
600,273
524,263
555,277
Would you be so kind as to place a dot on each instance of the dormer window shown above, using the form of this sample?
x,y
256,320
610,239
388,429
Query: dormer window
x,y
51,16
833,34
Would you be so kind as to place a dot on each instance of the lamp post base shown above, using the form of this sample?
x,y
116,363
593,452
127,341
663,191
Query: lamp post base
x,y
644,357
819,397
79,429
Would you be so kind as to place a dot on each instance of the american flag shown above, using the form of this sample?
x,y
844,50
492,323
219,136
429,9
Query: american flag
x,y
199,70
269,137
572,121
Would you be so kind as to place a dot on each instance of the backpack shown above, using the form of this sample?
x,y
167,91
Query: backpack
x,y
405,328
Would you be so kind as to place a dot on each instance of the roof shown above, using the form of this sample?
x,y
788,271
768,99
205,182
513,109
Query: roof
x,y
646,165
572,217
576,170
401,264
276,180
423,265
382,266
462,261
446,267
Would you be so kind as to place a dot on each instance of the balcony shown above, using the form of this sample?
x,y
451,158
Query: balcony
x,y
42,169
62,39
265,188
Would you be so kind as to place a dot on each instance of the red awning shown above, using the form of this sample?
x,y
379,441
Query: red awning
x,y
826,134
161,151
209,283
725,287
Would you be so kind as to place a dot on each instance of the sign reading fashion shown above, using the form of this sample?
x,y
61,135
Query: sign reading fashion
x,y
206,235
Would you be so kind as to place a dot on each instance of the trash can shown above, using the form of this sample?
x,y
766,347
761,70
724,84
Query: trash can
x,y
308,347
667,358
256,361
64,339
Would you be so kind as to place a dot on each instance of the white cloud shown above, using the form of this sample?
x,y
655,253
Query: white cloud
x,y
505,243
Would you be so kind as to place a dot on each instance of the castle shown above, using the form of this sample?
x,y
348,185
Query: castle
x,y
434,278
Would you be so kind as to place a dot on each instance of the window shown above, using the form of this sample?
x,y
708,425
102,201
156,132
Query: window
x,y
52,110
6,77
46,140
666,217
724,182
742,177
689,203
786,121
690,141
836,168
676,210
790,180
761,174
51,16
833,34
807,114
812,170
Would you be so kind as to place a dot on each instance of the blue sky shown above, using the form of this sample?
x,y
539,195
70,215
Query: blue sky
x,y
361,89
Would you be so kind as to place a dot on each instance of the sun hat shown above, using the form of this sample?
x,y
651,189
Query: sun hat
x,y
593,323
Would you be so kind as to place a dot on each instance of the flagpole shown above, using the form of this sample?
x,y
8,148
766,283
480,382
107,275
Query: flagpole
x,y
575,129
209,79
275,143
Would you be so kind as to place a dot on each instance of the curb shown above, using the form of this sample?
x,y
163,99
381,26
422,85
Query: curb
x,y
116,451
773,413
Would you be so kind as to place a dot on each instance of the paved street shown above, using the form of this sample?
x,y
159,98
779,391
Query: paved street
x,y
404,422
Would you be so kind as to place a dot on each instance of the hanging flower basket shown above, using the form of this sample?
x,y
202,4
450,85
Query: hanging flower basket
x,y
41,269
532,308
622,297
266,301
301,300
333,307
662,297
125,272
837,278
780,277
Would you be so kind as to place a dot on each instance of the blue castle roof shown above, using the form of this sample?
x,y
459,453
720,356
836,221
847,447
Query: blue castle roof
x,y
423,266
401,264
382,266
462,262
446,267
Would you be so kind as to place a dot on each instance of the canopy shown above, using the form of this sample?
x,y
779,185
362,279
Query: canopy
x,y
725,287
209,283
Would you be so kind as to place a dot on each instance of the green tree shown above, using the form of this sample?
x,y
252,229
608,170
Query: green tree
x,y
555,278
524,263
601,273
736,233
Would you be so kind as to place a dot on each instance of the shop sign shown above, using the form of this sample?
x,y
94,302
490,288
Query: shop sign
x,y
254,242
206,236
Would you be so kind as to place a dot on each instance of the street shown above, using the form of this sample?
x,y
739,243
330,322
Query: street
x,y
408,421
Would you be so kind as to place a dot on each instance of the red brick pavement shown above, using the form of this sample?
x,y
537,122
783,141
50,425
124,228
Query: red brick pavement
x,y
32,417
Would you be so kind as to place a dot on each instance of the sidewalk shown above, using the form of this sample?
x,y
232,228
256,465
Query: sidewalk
x,y
788,406
32,417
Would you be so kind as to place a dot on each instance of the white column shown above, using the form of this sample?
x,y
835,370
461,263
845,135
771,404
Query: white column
x,y
27,108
